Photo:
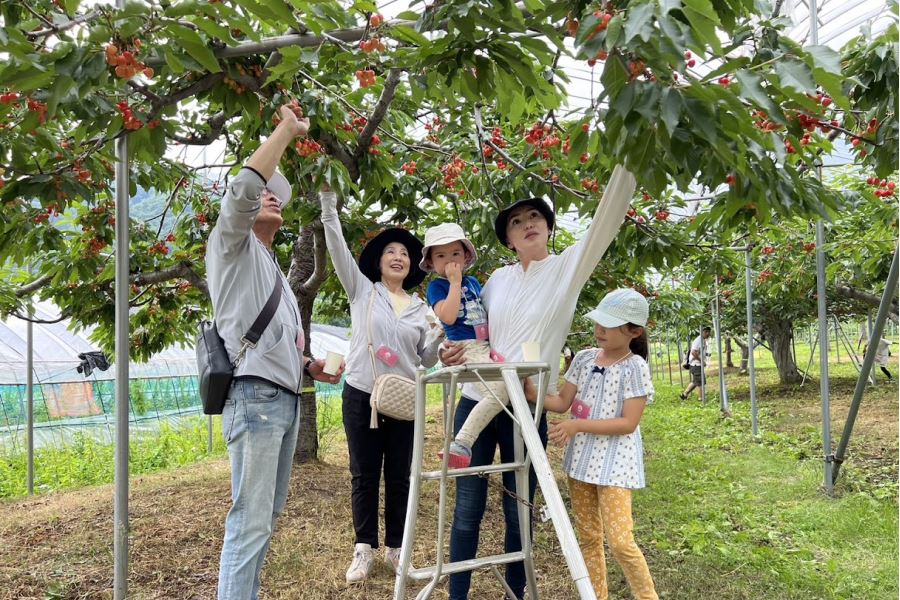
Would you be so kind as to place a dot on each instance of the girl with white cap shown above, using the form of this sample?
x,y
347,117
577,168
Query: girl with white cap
x,y
456,300
607,389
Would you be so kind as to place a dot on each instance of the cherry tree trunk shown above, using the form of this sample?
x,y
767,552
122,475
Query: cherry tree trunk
x,y
778,333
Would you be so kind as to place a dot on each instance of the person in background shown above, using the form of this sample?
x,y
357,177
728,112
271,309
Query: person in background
x,y
882,354
696,361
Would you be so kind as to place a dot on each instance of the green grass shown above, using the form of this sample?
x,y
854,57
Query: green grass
x,y
731,517
90,462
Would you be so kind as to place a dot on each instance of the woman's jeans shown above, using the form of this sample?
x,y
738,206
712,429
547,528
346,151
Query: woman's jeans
x,y
260,424
389,447
471,497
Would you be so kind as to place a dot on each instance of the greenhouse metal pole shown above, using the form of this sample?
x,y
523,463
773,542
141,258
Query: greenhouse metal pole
x,y
702,366
837,342
723,390
868,361
751,365
823,309
680,359
120,534
29,394
669,355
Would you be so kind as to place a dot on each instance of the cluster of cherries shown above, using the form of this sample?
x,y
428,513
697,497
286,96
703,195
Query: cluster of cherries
x,y
307,147
129,120
884,188
366,77
451,171
126,62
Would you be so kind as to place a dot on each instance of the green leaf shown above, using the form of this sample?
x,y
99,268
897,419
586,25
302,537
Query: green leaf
x,y
638,22
402,33
824,58
670,109
191,41
270,10
752,90
794,74
704,20
61,85
615,75
173,61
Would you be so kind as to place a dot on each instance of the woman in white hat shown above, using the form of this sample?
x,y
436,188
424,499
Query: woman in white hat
x,y
456,300
606,389
381,306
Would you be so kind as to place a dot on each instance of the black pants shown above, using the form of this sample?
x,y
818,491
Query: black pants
x,y
388,447
888,373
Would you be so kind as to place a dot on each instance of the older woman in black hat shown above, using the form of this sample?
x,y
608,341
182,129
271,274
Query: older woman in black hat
x,y
530,301
378,288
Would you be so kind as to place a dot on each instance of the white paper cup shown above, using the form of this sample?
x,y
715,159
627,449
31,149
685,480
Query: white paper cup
x,y
531,352
333,362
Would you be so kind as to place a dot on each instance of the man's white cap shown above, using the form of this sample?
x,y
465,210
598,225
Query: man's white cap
x,y
619,307
444,234
280,188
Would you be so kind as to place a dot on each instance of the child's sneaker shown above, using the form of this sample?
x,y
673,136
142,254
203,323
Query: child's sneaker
x,y
362,563
460,456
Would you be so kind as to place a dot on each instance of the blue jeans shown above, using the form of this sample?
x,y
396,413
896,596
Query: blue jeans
x,y
260,424
471,497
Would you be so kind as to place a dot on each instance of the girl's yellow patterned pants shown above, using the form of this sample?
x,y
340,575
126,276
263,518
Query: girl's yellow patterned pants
x,y
600,509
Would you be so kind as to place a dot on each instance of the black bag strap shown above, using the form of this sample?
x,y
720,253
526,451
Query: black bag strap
x,y
251,338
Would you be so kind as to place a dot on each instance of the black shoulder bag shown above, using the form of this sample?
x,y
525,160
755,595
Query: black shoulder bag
x,y
216,369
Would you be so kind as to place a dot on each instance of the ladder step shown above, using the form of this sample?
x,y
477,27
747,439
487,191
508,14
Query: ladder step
x,y
493,468
466,565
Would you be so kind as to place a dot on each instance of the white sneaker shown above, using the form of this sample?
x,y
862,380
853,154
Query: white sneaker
x,y
362,563
392,559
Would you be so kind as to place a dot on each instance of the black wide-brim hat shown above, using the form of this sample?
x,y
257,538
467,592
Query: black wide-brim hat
x,y
370,257
502,219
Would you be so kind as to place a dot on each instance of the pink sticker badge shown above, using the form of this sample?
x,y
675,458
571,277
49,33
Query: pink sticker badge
x,y
387,356
580,410
301,341
481,331
497,357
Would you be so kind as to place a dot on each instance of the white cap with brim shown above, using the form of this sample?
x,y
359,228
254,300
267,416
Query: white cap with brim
x,y
620,307
444,234
280,188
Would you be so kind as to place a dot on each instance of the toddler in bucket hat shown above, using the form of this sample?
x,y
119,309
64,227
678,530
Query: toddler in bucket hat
x,y
456,300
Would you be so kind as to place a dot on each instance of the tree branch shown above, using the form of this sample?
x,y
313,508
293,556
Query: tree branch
x,y
216,126
302,40
51,29
867,298
379,112
32,287
315,281
336,149
181,270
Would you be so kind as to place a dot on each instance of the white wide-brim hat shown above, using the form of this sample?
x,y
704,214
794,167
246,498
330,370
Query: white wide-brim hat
x,y
280,188
445,233
620,307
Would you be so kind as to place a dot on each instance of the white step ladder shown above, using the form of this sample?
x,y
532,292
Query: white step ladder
x,y
525,437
